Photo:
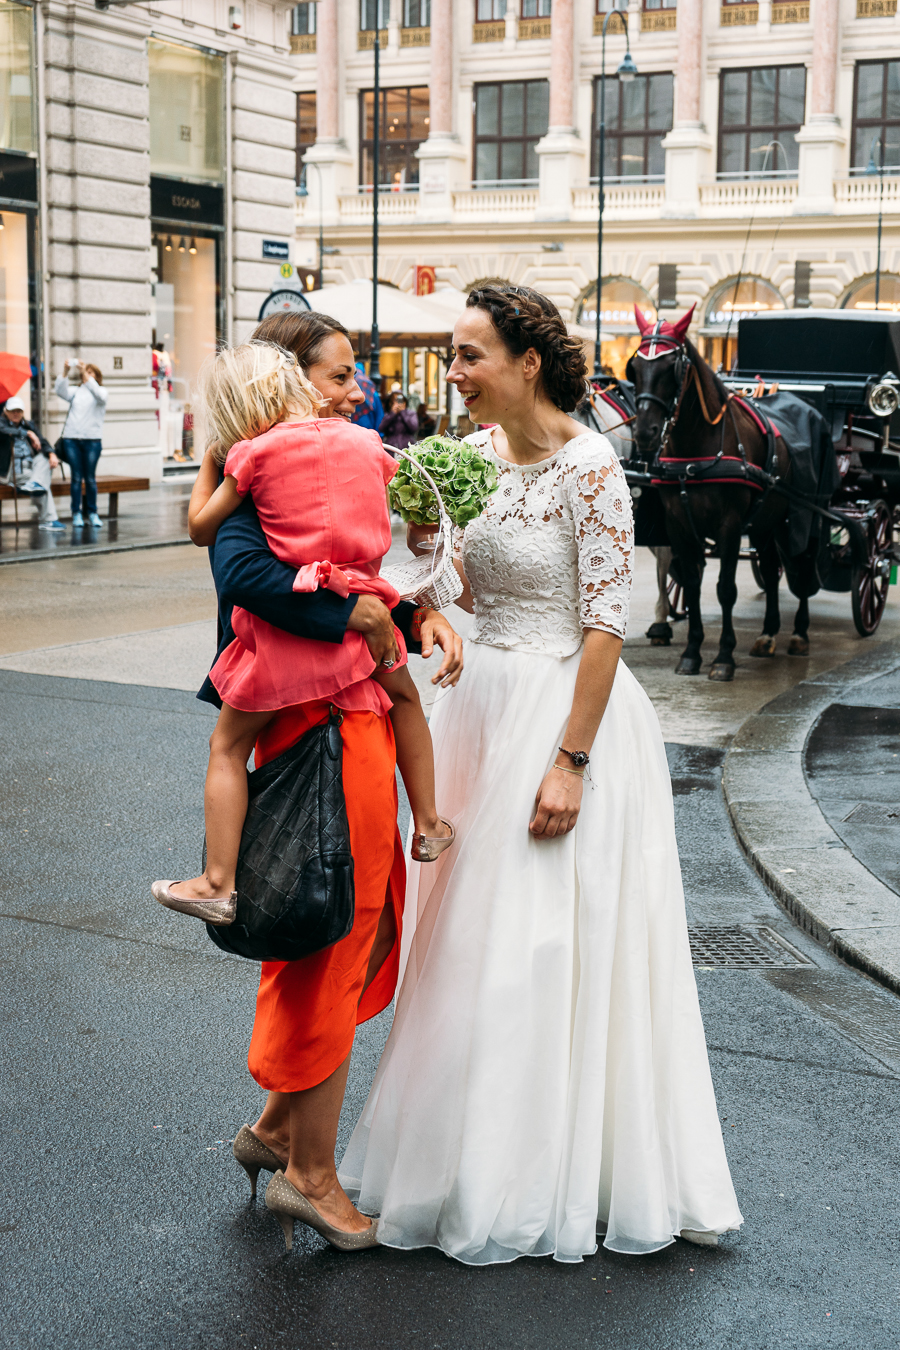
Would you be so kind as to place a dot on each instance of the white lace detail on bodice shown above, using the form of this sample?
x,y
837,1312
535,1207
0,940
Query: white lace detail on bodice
x,y
551,553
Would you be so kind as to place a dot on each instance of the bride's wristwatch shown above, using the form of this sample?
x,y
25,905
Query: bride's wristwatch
x,y
580,758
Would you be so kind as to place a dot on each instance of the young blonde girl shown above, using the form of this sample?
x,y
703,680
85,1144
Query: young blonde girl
x,y
318,487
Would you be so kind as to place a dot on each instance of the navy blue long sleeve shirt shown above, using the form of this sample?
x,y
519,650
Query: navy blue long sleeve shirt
x,y
247,573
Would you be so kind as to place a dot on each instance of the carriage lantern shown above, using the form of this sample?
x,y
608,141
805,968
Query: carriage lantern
x,y
884,398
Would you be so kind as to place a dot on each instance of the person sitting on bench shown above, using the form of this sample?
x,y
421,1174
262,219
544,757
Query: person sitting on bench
x,y
28,461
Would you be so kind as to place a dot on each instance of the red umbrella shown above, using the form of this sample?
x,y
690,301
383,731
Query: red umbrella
x,y
14,371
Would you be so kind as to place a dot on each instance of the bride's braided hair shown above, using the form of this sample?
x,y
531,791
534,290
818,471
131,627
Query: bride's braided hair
x,y
524,318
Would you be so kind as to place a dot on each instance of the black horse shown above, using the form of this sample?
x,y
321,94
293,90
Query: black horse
x,y
705,445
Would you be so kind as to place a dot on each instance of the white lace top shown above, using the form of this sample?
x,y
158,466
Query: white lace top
x,y
551,553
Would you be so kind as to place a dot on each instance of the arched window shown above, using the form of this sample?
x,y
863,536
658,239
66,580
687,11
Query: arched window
x,y
618,333
730,303
861,294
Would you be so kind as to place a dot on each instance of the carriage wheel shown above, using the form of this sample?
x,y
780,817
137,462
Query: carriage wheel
x,y
869,589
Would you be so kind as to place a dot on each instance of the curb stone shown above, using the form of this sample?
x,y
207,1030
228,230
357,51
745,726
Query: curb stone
x,y
805,864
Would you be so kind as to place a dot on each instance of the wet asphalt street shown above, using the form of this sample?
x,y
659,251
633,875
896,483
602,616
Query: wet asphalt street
x,y
125,1223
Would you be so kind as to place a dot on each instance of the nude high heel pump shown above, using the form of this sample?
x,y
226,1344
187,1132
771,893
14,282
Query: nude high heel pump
x,y
254,1155
425,848
288,1204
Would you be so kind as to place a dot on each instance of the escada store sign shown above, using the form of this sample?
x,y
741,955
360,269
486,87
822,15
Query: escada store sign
x,y
190,203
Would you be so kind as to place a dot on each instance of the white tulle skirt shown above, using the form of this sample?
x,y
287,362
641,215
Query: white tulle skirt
x,y
546,1076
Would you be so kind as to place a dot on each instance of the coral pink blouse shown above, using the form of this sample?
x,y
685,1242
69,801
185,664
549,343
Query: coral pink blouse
x,y
318,488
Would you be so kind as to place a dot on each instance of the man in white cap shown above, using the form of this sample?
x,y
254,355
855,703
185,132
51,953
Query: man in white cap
x,y
32,461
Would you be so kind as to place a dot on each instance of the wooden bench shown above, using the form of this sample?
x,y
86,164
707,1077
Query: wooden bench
x,y
109,483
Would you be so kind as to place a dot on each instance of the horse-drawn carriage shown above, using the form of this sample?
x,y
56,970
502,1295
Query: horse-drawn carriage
x,y
798,448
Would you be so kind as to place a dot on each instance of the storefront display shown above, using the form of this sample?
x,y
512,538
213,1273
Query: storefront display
x,y
187,205
19,331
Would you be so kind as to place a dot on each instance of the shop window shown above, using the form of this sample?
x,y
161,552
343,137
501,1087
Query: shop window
x,y
402,127
303,20
17,318
416,13
638,116
619,332
876,115
510,119
184,316
373,14
736,300
187,113
306,133
760,113
862,294
16,68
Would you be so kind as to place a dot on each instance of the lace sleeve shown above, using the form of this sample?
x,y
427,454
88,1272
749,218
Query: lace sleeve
x,y
604,535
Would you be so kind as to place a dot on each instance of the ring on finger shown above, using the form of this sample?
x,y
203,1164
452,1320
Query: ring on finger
x,y
388,665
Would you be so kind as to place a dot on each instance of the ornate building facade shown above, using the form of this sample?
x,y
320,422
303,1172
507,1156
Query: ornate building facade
x,y
746,163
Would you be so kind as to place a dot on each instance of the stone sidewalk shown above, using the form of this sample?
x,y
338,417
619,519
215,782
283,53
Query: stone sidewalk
x,y
812,783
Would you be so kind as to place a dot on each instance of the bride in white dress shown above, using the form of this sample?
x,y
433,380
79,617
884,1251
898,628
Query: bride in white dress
x,y
546,1077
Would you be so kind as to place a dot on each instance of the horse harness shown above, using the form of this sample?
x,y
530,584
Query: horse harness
x,y
720,468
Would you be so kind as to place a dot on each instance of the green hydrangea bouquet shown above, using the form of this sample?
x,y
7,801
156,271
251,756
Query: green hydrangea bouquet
x,y
465,480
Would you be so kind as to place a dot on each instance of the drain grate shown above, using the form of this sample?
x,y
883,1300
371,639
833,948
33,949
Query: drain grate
x,y
743,948
873,813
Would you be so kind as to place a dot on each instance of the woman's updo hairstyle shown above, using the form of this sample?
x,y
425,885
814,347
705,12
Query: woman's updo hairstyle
x,y
524,318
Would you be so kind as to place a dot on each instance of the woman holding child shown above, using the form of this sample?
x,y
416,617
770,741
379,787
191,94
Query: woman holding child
x,y
307,1011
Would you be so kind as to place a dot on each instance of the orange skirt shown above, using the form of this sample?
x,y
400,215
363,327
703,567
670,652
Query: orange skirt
x,y
307,1011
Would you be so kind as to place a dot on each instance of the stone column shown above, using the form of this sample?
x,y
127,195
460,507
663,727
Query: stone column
x,y
821,140
263,156
330,153
97,155
561,153
688,145
442,158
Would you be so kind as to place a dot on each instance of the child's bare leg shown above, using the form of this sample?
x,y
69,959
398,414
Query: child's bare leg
x,y
415,754
225,802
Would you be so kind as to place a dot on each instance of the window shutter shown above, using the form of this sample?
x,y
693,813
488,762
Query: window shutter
x,y
668,286
802,272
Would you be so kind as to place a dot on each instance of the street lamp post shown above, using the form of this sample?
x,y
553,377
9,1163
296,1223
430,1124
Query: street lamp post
x,y
626,71
873,168
321,222
374,348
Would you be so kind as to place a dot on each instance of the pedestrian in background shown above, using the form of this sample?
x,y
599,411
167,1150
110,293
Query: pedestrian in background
x,y
426,423
81,444
400,426
28,461
370,412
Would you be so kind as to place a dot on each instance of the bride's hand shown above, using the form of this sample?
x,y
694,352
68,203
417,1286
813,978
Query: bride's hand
x,y
557,804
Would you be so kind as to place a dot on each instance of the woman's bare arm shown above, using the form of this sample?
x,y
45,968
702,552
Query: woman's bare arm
x,y
558,800
211,502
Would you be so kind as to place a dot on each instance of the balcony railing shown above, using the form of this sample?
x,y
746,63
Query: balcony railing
x,y
356,207
864,194
512,203
621,201
736,198
748,196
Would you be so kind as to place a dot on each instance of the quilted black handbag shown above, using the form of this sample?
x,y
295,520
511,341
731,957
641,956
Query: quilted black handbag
x,y
295,870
